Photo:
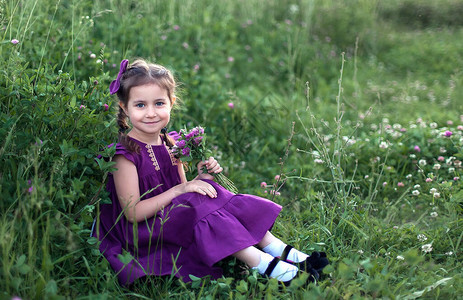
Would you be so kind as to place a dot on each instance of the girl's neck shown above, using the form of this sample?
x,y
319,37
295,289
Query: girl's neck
x,y
150,140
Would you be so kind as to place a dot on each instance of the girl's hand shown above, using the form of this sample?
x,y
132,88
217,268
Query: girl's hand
x,y
200,187
212,167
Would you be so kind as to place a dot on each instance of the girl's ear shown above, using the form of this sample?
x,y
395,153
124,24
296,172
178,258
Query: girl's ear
x,y
173,99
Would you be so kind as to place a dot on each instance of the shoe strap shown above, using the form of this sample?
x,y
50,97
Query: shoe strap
x,y
284,255
271,266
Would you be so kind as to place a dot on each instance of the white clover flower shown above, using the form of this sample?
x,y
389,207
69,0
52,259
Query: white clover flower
x,y
436,195
417,186
399,257
412,156
415,192
413,126
360,252
436,166
293,8
443,150
433,125
383,145
385,120
451,170
449,253
434,214
421,237
426,248
433,190
409,176
396,126
422,162
318,161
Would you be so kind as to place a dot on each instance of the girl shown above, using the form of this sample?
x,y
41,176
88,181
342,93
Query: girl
x,y
159,223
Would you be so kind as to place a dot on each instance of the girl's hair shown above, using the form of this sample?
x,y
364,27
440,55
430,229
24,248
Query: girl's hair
x,y
141,72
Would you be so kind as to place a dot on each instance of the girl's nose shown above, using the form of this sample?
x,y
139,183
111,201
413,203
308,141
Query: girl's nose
x,y
151,112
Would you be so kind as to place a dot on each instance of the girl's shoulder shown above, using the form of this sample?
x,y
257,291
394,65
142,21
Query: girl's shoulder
x,y
130,155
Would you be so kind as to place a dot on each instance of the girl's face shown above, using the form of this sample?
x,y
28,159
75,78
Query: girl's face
x,y
148,109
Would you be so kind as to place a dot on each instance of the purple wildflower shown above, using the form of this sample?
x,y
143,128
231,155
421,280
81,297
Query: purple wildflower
x,y
417,148
231,105
180,143
106,107
14,41
198,140
448,133
186,151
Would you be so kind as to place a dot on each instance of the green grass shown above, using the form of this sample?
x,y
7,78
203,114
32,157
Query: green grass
x,y
333,96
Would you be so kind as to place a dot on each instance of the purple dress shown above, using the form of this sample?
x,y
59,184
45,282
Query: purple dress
x,y
188,236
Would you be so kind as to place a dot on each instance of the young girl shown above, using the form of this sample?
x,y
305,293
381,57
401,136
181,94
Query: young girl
x,y
170,225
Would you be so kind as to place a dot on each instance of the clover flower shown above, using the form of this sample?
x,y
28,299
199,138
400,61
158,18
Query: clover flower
x,y
231,105
434,214
399,257
186,151
263,184
426,248
14,41
417,148
421,237
400,184
422,162
448,133
383,145
415,192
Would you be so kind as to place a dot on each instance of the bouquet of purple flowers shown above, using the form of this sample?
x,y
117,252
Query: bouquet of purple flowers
x,y
190,147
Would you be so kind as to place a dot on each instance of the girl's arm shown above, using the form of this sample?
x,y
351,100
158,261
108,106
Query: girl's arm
x,y
128,191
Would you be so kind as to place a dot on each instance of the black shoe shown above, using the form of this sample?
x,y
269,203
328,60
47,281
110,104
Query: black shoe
x,y
313,264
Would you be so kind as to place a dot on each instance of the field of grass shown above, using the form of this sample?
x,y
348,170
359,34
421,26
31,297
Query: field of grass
x,y
349,111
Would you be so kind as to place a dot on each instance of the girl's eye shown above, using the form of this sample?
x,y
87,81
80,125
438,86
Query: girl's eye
x,y
140,105
160,103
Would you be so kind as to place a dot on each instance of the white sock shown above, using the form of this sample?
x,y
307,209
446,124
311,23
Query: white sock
x,y
282,271
276,248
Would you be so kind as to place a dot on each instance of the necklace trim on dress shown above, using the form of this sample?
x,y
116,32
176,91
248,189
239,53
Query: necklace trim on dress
x,y
153,157
155,161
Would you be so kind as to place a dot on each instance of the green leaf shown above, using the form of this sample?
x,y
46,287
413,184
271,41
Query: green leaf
x,y
73,102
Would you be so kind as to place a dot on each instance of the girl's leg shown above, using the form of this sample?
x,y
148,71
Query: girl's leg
x,y
259,260
274,246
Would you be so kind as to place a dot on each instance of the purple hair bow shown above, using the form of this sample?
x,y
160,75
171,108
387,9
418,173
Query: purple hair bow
x,y
116,84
